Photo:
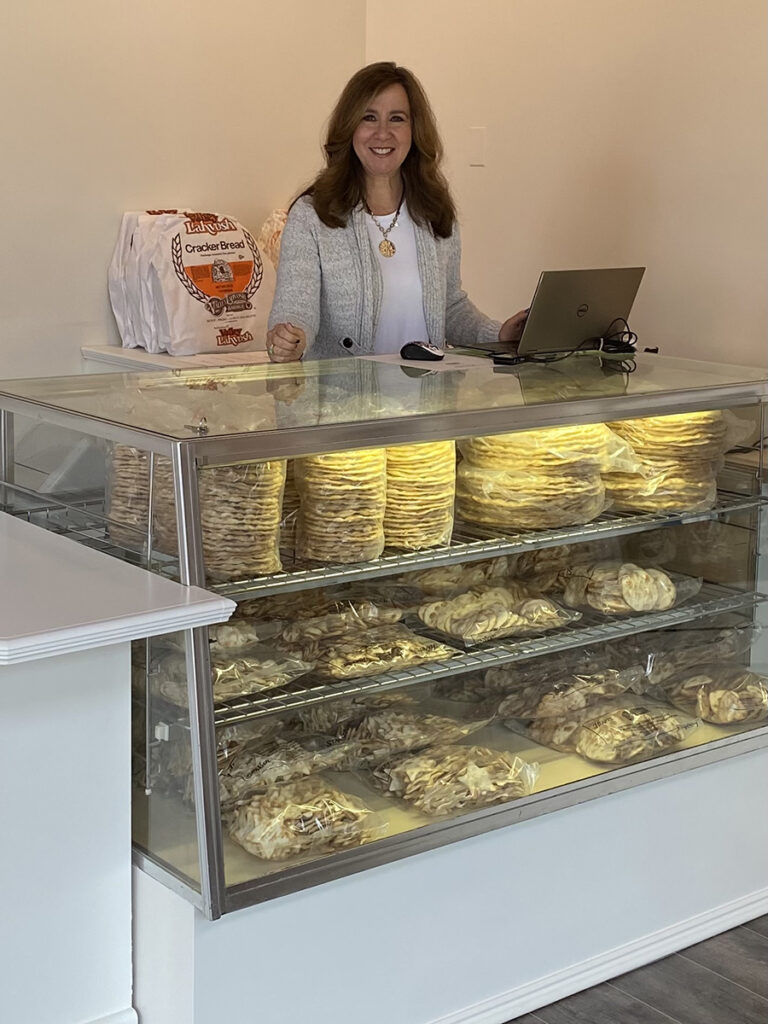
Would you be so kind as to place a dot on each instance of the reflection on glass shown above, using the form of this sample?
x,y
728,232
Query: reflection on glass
x,y
265,398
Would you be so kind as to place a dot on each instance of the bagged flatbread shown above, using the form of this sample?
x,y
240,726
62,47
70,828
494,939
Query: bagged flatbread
x,y
185,282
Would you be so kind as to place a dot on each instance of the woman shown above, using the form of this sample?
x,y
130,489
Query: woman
x,y
370,254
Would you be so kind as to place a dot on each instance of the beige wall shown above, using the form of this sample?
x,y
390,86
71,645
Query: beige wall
x,y
620,132
109,106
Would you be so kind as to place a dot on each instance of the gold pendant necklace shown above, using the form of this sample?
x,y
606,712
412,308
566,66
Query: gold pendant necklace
x,y
386,247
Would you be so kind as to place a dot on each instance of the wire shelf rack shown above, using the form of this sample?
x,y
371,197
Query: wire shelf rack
x,y
471,543
713,600
83,518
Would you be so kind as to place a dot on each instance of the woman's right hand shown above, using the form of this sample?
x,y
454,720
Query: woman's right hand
x,y
286,343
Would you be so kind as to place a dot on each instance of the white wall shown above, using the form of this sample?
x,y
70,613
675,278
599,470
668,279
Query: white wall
x,y
620,132
109,106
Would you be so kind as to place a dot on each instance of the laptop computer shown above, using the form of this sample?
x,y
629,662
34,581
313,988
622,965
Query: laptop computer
x,y
571,306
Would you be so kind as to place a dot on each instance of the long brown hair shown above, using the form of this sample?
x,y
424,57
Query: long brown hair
x,y
339,187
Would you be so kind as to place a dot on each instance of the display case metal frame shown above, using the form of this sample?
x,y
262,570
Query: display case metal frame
x,y
188,456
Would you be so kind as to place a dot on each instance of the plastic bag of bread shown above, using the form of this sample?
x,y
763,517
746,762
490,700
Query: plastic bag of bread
x,y
442,580
616,732
632,733
270,235
487,613
239,510
301,605
343,500
698,436
345,617
553,448
569,693
369,653
240,513
678,457
395,730
470,688
308,816
664,485
197,279
665,653
529,497
258,765
333,717
290,510
720,693
421,487
449,779
545,671
263,668
239,635
623,588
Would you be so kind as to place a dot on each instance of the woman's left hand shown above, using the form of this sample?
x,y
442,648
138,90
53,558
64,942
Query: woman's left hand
x,y
512,329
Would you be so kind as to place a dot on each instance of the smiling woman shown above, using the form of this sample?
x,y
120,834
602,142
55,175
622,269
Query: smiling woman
x,y
370,254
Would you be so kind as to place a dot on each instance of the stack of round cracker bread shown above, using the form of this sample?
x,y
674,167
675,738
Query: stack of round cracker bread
x,y
343,498
290,510
127,495
534,479
528,499
678,458
589,444
421,486
240,511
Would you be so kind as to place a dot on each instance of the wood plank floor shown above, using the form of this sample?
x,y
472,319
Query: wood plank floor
x,y
721,981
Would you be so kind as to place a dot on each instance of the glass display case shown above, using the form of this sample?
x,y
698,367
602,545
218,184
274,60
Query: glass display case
x,y
465,596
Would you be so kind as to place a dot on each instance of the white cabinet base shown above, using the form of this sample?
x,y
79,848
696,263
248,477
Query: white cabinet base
x,y
481,931
65,927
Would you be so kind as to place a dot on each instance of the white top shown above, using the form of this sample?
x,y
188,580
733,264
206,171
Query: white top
x,y
401,318
131,359
59,597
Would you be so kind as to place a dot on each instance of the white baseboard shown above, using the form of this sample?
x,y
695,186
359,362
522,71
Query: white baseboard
x,y
128,1016
609,965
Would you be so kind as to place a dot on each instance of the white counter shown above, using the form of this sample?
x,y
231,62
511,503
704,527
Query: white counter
x,y
67,615
109,358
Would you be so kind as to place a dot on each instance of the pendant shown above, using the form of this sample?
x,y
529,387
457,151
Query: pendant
x,y
387,248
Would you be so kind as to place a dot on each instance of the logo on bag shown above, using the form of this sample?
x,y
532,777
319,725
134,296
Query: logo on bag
x,y
208,224
221,271
233,336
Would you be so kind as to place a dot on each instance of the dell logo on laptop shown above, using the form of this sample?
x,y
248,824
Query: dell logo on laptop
x,y
582,310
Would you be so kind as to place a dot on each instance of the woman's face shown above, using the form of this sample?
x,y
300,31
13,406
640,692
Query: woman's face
x,y
383,137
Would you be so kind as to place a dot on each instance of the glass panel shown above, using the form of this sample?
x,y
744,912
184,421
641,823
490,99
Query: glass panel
x,y
94,491
163,799
334,391
351,755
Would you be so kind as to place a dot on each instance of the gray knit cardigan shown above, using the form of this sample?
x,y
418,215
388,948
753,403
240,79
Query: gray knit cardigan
x,y
329,284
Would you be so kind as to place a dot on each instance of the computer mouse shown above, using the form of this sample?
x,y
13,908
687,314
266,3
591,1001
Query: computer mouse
x,y
421,350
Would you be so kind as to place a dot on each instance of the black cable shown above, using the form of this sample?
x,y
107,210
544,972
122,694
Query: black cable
x,y
612,343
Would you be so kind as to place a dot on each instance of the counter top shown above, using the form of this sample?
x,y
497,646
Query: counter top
x,y
138,359
58,597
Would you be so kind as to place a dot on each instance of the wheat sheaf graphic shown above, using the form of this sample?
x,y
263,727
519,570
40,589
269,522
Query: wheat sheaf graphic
x,y
258,269
178,266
